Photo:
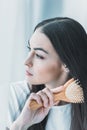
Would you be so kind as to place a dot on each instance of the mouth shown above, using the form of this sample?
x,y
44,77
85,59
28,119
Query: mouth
x,y
28,73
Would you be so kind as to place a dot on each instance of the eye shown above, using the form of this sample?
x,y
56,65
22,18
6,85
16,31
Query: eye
x,y
39,56
29,49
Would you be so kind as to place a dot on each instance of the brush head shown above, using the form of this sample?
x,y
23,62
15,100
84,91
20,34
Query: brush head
x,y
74,92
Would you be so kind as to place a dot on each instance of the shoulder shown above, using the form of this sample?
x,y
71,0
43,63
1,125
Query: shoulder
x,y
19,91
18,95
20,87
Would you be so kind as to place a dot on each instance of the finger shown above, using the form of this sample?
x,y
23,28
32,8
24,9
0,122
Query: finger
x,y
56,103
49,94
35,97
44,98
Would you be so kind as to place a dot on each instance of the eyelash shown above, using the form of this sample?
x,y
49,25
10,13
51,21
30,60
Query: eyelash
x,y
29,48
40,57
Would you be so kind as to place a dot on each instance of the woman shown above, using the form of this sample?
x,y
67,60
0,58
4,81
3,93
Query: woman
x,y
57,52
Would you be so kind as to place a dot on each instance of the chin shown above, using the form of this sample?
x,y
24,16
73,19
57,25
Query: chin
x,y
31,82
34,82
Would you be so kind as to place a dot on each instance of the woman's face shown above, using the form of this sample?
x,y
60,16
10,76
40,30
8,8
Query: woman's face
x,y
43,64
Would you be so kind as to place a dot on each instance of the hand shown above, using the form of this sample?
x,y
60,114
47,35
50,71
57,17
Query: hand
x,y
29,117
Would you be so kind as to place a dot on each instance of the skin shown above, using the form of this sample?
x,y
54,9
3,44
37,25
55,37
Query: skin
x,y
43,62
46,68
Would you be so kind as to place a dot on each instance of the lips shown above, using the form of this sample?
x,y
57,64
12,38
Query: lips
x,y
28,73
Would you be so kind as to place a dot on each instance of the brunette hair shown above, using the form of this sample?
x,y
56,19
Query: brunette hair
x,y
69,40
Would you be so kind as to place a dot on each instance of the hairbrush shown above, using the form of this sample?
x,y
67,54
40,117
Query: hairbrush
x,y
72,93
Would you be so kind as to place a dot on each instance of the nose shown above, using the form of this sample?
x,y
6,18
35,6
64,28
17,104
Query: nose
x,y
29,60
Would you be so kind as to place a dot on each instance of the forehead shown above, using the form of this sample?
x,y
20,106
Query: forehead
x,y
39,39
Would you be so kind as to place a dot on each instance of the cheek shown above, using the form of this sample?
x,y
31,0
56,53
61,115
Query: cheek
x,y
48,71
54,71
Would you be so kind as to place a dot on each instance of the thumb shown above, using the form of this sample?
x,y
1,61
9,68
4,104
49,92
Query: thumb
x,y
58,89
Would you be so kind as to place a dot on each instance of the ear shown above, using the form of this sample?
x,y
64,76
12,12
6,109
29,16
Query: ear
x,y
65,68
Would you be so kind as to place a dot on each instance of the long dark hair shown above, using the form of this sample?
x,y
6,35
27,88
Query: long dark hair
x,y
69,39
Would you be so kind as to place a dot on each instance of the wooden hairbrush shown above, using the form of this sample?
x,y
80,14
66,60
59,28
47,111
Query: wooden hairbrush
x,y
72,93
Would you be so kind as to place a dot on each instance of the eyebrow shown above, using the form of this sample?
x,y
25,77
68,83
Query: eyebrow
x,y
38,48
41,49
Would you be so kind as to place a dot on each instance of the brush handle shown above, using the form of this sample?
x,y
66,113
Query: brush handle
x,y
57,97
34,105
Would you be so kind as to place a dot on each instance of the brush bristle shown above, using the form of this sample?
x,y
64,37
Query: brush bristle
x,y
74,92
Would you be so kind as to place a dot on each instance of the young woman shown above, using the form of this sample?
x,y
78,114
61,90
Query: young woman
x,y
57,52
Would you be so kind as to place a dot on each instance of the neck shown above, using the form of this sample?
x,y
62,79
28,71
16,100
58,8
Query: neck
x,y
60,81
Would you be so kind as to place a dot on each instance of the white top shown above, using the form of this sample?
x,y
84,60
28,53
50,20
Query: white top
x,y
59,118
18,94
